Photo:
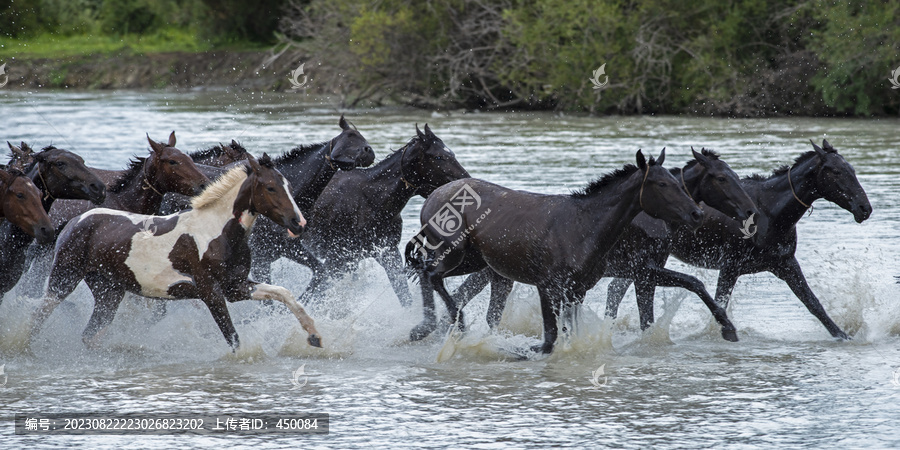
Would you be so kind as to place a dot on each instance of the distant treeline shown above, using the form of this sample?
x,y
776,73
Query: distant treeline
x,y
738,57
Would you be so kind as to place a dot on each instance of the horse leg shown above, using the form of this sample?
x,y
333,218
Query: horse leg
x,y
107,297
429,320
214,299
727,279
392,262
64,278
671,278
456,314
551,302
263,291
500,290
790,272
614,295
40,260
645,291
473,284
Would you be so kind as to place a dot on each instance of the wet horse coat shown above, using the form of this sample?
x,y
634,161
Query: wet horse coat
x,y
201,253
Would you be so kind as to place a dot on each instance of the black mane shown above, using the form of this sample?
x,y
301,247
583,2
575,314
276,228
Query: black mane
x,y
134,168
783,169
604,181
298,152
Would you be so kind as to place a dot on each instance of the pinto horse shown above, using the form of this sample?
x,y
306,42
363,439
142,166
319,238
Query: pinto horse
x,y
20,204
309,168
358,214
783,199
708,180
58,174
201,253
555,242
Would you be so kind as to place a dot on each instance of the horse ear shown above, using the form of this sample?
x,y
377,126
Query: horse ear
x,y
419,133
266,161
641,160
171,139
154,146
343,123
428,132
254,165
662,157
700,157
827,147
234,144
817,148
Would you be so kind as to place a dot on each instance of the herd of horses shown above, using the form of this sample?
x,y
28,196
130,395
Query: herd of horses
x,y
208,225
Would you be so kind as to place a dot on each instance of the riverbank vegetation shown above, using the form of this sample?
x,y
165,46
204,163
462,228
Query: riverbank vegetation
x,y
705,57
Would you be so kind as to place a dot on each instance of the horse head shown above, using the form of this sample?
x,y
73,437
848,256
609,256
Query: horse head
x,y
836,181
268,193
719,187
661,195
20,203
427,163
169,170
350,149
21,156
64,175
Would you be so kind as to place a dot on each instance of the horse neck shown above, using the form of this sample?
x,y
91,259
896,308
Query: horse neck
x,y
34,173
612,210
221,211
320,170
780,205
137,195
386,181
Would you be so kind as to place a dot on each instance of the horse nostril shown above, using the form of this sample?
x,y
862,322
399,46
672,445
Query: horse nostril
x,y
697,215
368,149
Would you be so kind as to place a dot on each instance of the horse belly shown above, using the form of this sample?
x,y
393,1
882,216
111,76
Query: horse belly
x,y
149,263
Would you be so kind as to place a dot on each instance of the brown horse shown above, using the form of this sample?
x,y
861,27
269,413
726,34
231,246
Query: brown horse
x,y
58,174
20,204
140,187
555,242
201,253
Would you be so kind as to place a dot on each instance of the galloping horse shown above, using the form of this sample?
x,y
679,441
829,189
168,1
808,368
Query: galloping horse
x,y
555,242
708,180
20,204
201,253
309,168
783,199
358,214
58,174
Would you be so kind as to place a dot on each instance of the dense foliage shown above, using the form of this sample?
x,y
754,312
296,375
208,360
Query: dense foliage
x,y
739,57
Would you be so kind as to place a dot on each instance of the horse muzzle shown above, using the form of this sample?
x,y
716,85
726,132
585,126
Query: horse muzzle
x,y
44,233
96,193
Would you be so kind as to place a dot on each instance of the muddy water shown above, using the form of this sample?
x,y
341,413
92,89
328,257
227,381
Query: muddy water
x,y
786,383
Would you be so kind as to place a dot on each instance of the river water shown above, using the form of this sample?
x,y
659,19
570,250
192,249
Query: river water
x,y
786,383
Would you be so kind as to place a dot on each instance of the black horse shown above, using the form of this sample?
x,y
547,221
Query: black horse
x,y
57,173
555,242
782,198
708,180
358,214
308,168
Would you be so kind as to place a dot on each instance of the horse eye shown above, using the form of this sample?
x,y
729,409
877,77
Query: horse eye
x,y
20,196
438,158
720,179
662,184
270,189
172,162
60,164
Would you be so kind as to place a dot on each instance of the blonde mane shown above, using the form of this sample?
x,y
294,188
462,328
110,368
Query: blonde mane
x,y
217,190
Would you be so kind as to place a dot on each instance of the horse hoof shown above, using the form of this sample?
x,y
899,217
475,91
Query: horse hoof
x,y
730,335
542,348
314,340
843,336
420,332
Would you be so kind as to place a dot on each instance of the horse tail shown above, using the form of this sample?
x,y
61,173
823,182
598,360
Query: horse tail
x,y
415,260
